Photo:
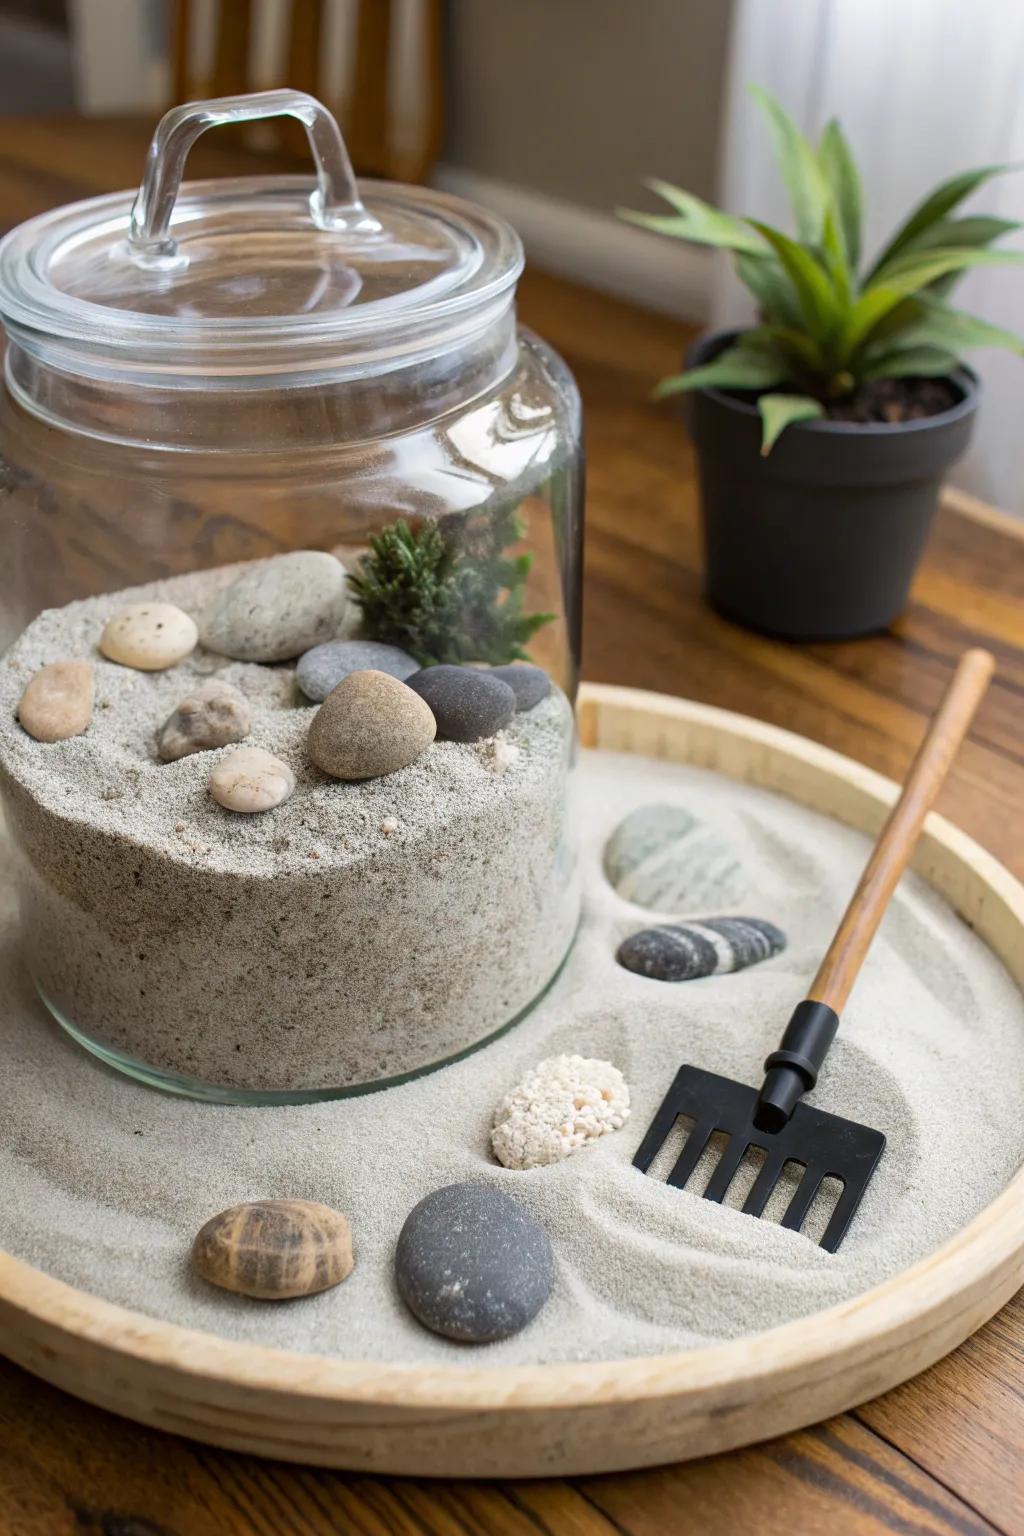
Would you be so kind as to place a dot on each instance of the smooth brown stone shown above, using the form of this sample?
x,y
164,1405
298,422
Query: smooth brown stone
x,y
58,700
369,725
275,1249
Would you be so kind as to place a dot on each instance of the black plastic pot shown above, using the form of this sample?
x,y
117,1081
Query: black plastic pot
x,y
820,539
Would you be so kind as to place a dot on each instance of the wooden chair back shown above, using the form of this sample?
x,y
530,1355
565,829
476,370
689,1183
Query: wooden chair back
x,y
389,98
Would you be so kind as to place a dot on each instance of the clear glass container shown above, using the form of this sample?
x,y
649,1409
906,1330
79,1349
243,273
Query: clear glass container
x,y
220,374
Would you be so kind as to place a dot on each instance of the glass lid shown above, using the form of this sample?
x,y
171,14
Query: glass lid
x,y
256,262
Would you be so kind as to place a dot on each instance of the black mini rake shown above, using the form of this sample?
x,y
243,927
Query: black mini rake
x,y
772,1121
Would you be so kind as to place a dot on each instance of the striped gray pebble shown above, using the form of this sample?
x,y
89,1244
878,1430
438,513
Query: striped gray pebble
x,y
663,858
712,947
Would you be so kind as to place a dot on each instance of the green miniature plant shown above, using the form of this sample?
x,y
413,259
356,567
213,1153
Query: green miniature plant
x,y
446,591
826,327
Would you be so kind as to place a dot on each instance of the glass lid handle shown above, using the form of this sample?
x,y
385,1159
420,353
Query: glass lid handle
x,y
334,205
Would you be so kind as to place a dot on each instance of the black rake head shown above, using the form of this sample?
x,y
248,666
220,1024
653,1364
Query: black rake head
x,y
826,1146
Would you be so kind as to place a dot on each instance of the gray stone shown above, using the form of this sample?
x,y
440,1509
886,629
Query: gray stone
x,y
472,1264
214,715
323,668
369,725
661,857
529,684
712,947
278,609
467,704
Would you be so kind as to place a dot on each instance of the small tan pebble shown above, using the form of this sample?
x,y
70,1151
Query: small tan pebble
x,y
389,825
57,702
148,636
368,726
275,1249
565,1102
250,779
214,715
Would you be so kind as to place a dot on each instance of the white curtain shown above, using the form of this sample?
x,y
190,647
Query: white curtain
x,y
924,88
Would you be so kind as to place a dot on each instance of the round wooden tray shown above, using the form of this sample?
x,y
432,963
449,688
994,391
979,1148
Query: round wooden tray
x,y
558,1419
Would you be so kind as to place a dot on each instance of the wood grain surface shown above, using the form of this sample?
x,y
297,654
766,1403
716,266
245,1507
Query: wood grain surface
x,y
942,1454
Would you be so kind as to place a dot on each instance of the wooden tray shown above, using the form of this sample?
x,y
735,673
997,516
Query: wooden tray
x,y
559,1419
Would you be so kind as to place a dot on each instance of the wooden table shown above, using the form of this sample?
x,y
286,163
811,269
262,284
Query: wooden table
x,y
944,1453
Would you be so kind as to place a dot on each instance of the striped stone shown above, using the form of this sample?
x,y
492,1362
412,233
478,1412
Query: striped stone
x,y
712,947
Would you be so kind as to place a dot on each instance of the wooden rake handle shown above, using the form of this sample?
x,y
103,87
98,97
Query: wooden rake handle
x,y
891,853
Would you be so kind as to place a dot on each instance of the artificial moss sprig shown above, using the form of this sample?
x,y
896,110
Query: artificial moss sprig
x,y
446,591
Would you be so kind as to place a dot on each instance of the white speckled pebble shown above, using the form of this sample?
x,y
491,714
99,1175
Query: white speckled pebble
x,y
148,636
250,779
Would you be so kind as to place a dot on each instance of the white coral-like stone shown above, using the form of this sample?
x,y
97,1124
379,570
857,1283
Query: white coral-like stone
x,y
562,1104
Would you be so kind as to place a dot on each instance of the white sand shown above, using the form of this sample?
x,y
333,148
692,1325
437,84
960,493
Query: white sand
x,y
105,1182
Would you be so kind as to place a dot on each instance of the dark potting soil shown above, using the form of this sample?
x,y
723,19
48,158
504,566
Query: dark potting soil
x,y
895,400
887,400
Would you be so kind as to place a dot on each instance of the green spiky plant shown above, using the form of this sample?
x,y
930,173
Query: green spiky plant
x,y
448,591
829,325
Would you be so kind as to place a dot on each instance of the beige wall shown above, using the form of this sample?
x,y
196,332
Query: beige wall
x,y
583,98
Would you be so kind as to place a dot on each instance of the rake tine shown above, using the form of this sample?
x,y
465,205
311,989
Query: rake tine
x,y
726,1169
689,1157
800,1204
845,1211
763,1185
659,1128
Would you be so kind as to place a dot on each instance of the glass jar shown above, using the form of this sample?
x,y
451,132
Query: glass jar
x,y
198,385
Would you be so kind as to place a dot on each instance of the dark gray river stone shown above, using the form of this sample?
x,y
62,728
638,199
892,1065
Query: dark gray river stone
x,y
472,1264
467,704
713,946
529,684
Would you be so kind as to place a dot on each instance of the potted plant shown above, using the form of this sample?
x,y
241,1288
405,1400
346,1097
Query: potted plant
x,y
823,431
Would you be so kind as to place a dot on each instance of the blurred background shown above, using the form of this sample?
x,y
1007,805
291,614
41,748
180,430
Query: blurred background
x,y
553,112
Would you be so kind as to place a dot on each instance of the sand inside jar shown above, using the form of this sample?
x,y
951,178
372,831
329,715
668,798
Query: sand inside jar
x,y
345,937
106,1182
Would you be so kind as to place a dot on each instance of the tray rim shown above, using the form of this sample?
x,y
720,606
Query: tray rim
x,y
544,1420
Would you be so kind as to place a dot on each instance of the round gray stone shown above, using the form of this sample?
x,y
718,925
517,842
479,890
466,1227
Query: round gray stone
x,y
323,668
467,704
663,858
472,1264
529,684
278,609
